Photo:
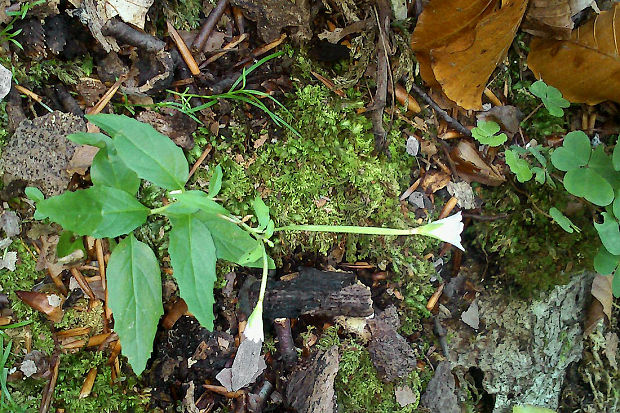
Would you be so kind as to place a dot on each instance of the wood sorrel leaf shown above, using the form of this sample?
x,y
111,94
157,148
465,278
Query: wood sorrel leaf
x,y
609,232
616,157
134,286
562,220
574,152
604,262
586,183
99,211
519,167
193,256
150,154
110,170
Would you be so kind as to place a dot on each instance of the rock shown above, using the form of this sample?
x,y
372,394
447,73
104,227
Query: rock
x,y
39,151
523,347
439,396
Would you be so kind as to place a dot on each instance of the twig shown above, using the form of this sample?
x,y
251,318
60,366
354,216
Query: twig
x,y
131,36
440,332
183,49
67,101
105,99
199,161
285,341
381,77
225,49
532,112
239,19
33,96
48,391
82,282
216,14
455,124
446,150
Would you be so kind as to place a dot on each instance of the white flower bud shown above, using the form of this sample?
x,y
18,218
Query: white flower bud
x,y
254,328
447,229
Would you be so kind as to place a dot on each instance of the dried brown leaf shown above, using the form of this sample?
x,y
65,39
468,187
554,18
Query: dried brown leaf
x,y
548,19
586,68
471,167
48,304
601,290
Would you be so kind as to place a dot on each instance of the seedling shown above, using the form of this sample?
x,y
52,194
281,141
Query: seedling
x,y
519,161
202,230
551,97
486,133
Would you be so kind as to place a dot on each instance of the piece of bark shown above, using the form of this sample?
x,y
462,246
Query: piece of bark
x,y
312,292
439,395
390,353
311,386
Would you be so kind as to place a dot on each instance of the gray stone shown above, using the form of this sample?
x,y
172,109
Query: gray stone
x,y
440,396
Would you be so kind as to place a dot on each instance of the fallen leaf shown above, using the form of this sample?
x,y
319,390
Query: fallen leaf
x,y
601,290
82,159
133,12
508,117
471,167
48,304
458,44
578,5
6,76
593,49
9,261
548,18
247,366
471,316
611,348
434,181
10,223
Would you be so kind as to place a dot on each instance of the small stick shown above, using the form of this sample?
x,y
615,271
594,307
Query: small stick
x,y
127,34
206,30
48,391
455,124
57,281
285,341
225,49
199,161
410,190
329,84
405,98
222,390
446,151
259,51
432,302
239,19
105,99
33,96
532,112
72,332
67,101
489,94
183,49
82,282
448,207
87,387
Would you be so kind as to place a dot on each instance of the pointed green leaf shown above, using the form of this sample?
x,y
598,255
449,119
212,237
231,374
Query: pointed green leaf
x,y
150,154
110,170
262,212
215,184
562,220
574,152
193,257
518,166
34,194
93,139
99,211
604,262
609,232
67,243
586,183
189,202
231,242
135,297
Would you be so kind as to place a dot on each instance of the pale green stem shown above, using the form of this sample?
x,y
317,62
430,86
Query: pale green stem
x,y
160,209
263,281
349,229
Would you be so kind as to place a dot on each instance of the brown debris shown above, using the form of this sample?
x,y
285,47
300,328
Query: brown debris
x,y
272,16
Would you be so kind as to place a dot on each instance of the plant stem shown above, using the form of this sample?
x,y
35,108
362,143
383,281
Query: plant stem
x,y
263,281
160,209
349,229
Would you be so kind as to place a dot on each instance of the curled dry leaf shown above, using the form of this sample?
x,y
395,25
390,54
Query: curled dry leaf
x,y
48,304
585,68
549,19
601,290
471,167
434,181
463,51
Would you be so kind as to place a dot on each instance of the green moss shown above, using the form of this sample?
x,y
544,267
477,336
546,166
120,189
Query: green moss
x,y
528,251
92,317
183,14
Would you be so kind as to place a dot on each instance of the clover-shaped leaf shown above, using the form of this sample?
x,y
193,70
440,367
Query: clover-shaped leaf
x,y
574,152
551,97
485,133
563,221
586,183
609,232
604,262
519,167
616,157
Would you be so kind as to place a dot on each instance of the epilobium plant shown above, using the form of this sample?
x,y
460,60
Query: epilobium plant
x,y
202,231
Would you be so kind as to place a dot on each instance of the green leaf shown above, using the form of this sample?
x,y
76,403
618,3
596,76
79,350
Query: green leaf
x,y
539,174
135,297
485,133
231,242
99,211
574,152
519,167
93,139
539,157
193,257
189,202
34,194
150,154
601,163
551,97
586,183
215,184
616,204
604,262
609,232
110,170
562,220
262,212
616,157
67,243
531,409
271,226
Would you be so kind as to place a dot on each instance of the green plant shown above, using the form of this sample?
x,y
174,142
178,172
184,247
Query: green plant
x,y
6,33
594,175
551,97
202,230
7,404
486,133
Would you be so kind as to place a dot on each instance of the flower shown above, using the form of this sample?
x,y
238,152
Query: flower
x,y
447,229
254,328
